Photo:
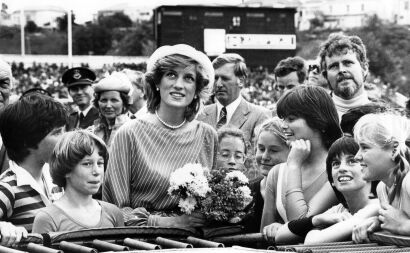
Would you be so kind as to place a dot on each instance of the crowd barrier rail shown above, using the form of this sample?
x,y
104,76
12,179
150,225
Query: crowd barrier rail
x,y
142,239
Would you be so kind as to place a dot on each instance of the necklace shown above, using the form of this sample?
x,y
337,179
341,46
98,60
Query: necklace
x,y
168,125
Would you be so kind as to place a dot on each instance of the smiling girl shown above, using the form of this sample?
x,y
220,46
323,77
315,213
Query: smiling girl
x,y
77,164
384,156
346,177
271,149
299,188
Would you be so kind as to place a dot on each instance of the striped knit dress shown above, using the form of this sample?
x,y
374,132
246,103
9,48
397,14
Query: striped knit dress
x,y
143,156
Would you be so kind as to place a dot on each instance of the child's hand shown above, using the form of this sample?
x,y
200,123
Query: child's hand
x,y
359,234
269,232
11,234
393,219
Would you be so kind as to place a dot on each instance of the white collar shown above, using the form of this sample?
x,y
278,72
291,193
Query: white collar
x,y
230,109
85,112
23,177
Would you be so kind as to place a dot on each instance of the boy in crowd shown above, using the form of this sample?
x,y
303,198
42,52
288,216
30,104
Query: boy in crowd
x,y
30,129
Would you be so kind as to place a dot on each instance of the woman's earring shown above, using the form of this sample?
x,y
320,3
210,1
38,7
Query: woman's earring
x,y
195,97
157,89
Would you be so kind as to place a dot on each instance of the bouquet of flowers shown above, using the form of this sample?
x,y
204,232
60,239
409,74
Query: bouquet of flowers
x,y
220,195
190,184
229,196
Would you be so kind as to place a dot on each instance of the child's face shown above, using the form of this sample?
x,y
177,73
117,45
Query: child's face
x,y
270,150
231,154
347,173
376,161
87,175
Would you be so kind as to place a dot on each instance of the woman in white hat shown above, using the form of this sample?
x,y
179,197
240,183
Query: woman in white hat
x,y
147,150
111,100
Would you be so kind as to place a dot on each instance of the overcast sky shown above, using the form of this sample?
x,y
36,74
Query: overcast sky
x,y
84,9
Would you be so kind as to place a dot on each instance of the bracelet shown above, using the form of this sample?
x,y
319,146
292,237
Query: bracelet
x,y
301,226
293,191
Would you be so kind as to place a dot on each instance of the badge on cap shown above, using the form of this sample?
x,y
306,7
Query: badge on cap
x,y
77,74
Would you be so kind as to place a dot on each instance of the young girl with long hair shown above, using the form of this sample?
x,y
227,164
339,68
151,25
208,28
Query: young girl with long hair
x,y
384,156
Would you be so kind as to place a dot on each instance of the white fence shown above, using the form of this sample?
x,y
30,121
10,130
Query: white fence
x,y
94,61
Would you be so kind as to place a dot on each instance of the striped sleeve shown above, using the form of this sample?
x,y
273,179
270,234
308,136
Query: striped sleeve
x,y
117,182
7,199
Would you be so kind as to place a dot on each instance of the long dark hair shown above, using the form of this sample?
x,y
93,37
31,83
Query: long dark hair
x,y
315,105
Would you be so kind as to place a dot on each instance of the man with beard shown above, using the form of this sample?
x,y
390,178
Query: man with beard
x,y
230,108
345,66
78,81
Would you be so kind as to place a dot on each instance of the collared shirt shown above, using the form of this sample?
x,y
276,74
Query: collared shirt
x,y
21,196
230,109
85,112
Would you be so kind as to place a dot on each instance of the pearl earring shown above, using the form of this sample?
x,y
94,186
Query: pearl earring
x,y
157,89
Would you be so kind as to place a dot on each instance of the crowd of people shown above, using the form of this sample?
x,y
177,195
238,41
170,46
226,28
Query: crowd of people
x,y
324,164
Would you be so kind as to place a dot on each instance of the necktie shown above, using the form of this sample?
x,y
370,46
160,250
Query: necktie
x,y
80,124
222,118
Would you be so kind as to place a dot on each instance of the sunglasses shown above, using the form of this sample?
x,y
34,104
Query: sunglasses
x,y
314,68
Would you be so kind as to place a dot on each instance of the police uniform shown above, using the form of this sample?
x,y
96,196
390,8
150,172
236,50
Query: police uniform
x,y
80,76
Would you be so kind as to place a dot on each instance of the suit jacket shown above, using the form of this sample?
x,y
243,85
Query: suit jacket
x,y
89,119
246,117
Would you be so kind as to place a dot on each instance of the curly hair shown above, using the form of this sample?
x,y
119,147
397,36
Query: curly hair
x,y
289,65
338,44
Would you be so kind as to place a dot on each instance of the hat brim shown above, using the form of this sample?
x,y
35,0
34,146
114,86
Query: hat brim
x,y
83,82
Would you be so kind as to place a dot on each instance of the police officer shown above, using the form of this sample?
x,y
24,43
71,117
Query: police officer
x,y
78,81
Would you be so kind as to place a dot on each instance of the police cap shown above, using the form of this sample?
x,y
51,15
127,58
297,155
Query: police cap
x,y
78,76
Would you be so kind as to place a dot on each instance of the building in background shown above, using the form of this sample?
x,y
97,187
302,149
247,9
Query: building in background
x,y
340,14
44,16
136,13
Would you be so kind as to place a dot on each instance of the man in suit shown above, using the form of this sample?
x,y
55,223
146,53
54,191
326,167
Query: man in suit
x,y
78,81
230,108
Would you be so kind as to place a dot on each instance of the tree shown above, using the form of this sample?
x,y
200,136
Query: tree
x,y
138,42
118,19
318,21
31,27
62,22
91,39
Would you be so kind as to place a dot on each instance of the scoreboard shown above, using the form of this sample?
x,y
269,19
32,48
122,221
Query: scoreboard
x,y
263,36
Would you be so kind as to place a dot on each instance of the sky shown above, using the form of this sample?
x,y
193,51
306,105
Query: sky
x,y
84,9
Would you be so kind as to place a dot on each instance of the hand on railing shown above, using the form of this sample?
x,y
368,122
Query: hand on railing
x,y
11,234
